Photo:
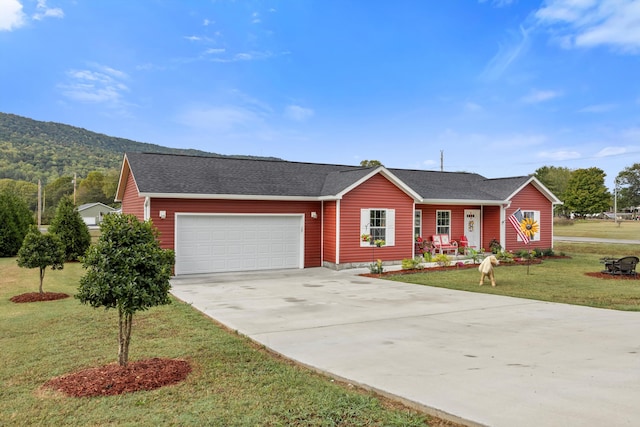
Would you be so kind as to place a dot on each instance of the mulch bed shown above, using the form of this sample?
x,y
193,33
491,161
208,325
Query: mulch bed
x,y
453,266
114,379
613,276
37,296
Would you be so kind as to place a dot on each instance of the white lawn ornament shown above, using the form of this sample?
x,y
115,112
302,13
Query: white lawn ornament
x,y
486,269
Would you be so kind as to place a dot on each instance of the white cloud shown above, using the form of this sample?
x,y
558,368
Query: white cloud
x,y
498,3
214,51
507,53
597,108
11,15
298,113
537,96
97,84
559,155
611,151
590,23
245,56
44,11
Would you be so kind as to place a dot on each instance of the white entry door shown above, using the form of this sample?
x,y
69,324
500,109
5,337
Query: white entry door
x,y
472,227
218,243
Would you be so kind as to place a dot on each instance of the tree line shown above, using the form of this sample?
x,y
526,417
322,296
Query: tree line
x,y
584,192
95,187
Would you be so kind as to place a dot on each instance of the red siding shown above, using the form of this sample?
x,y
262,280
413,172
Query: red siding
x,y
312,226
132,203
530,199
490,225
329,232
375,193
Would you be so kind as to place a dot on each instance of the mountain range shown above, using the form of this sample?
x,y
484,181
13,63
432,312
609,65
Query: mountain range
x,y
31,150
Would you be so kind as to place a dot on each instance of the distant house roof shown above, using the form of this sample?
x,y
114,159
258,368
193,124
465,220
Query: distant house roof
x,y
169,175
96,204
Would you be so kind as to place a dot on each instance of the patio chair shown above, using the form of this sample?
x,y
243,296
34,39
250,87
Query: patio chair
x,y
464,244
622,266
442,244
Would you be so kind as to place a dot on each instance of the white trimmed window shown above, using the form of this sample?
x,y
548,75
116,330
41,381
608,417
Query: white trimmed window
x,y
147,208
417,224
534,215
443,222
377,224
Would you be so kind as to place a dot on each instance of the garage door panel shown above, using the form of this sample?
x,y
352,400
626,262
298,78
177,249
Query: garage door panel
x,y
217,243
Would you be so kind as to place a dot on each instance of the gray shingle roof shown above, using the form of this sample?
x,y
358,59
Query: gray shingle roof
x,y
168,174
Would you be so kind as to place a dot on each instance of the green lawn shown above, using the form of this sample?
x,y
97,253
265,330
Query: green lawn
x,y
598,228
557,280
233,383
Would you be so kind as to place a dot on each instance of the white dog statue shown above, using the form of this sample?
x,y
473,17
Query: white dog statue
x,y
486,269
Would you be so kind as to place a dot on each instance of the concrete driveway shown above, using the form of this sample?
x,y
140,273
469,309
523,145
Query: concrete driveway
x,y
476,358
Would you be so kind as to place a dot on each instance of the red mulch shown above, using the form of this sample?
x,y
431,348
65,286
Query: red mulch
x,y
37,296
612,276
114,379
453,266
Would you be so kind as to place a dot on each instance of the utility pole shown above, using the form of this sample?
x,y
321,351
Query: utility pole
x,y
39,204
75,178
615,202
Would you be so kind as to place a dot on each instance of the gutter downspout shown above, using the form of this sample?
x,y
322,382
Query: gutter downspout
x,y
503,222
337,234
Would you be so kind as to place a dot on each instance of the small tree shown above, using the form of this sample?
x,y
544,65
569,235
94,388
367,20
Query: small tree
x,y
586,192
41,251
71,229
629,181
127,270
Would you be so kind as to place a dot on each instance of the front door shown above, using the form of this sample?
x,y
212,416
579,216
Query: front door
x,y
472,227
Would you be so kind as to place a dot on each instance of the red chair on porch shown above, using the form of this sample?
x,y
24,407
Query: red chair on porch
x,y
464,244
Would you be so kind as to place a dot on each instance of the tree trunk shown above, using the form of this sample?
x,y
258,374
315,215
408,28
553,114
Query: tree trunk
x,y
124,336
41,278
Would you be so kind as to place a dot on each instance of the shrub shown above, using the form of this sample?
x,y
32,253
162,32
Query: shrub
x,y
548,252
473,254
411,263
495,246
376,267
504,256
442,260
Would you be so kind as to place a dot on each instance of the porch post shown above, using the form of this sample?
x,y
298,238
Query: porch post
x,y
503,222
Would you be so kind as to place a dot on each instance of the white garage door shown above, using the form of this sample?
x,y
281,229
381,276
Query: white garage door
x,y
218,243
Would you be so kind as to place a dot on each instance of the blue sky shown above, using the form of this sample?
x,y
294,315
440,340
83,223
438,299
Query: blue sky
x,y
500,87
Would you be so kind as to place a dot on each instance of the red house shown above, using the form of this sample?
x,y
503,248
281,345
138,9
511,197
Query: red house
x,y
234,214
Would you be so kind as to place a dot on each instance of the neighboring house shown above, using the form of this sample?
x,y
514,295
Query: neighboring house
x,y
92,213
228,214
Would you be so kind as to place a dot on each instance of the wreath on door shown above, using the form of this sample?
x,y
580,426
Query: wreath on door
x,y
470,226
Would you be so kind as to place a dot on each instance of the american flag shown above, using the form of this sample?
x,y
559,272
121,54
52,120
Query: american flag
x,y
515,219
